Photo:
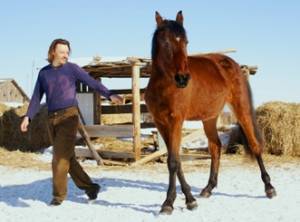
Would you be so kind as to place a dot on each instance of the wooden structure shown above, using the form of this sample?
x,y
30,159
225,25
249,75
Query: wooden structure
x,y
130,68
11,92
134,68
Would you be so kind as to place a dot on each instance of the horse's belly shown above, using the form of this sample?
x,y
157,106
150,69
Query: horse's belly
x,y
204,111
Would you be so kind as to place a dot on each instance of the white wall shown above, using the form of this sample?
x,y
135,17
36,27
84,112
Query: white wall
x,y
85,101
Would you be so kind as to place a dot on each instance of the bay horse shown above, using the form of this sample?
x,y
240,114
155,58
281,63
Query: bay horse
x,y
196,88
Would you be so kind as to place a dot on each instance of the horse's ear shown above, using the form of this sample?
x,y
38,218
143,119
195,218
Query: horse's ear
x,y
158,18
179,18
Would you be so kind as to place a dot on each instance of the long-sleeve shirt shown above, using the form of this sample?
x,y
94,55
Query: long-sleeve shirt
x,y
59,85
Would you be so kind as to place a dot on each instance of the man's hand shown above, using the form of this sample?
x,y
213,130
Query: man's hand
x,y
116,99
24,124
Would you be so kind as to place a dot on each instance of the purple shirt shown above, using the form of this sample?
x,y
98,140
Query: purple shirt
x,y
59,85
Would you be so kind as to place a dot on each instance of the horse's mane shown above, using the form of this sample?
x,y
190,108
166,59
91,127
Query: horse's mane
x,y
171,26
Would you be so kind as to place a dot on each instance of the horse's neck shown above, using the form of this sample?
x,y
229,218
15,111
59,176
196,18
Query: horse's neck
x,y
160,75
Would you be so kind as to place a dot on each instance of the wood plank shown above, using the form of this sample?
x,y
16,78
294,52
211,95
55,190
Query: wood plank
x,y
150,157
97,108
125,91
86,138
117,109
85,153
106,130
115,155
190,137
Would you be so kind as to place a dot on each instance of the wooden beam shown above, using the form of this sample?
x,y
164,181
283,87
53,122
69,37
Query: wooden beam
x,y
125,91
85,136
190,137
150,157
106,130
81,116
97,107
85,153
118,109
136,110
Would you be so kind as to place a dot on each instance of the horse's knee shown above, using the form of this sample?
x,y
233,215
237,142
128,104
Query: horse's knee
x,y
173,163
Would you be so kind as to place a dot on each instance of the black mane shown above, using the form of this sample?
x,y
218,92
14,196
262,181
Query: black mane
x,y
171,26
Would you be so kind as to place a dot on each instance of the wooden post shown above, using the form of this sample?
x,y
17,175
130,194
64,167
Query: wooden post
x,y
97,107
136,119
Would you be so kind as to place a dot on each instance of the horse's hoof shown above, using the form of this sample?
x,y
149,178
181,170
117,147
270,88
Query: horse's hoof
x,y
271,193
205,194
192,205
166,210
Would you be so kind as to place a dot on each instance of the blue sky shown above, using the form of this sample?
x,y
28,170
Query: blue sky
x,y
264,33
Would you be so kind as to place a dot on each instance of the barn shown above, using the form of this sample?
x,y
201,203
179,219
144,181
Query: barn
x,y
11,93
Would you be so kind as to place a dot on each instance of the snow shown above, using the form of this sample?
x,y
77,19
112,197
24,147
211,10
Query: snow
x,y
13,104
135,194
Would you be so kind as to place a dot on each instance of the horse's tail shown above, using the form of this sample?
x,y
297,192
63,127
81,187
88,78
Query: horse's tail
x,y
251,113
254,123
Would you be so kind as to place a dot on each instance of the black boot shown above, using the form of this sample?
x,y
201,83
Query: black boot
x,y
92,193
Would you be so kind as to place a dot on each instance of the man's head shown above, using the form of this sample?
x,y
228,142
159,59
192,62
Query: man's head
x,y
58,52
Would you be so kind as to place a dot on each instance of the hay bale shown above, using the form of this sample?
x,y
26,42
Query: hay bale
x,y
11,137
109,119
3,108
279,123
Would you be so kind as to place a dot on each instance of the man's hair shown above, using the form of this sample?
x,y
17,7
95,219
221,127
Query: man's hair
x,y
53,46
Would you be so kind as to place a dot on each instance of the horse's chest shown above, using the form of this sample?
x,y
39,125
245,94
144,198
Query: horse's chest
x,y
165,103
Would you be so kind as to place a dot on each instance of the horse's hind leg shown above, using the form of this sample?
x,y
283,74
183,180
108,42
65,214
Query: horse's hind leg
x,y
214,147
246,117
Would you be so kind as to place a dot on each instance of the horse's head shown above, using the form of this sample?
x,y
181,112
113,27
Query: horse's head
x,y
169,49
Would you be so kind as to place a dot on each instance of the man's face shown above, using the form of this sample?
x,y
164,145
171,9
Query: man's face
x,y
61,54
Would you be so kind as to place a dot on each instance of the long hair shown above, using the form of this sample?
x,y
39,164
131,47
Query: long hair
x,y
53,46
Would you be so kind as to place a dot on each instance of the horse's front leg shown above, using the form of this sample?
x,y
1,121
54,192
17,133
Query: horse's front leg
x,y
171,133
190,201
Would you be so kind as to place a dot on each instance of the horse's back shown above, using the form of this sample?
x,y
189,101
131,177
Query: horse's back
x,y
217,66
212,77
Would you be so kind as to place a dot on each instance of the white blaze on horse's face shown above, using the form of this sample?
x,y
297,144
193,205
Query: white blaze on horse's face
x,y
178,39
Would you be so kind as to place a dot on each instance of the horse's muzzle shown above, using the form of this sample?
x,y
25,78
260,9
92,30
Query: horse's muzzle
x,y
182,80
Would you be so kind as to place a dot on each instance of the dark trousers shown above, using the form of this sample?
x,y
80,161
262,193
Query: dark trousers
x,y
63,126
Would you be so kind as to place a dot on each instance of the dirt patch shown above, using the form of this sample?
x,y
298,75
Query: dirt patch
x,y
19,159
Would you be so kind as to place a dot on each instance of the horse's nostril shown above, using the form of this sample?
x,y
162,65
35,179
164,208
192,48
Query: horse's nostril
x,y
177,78
182,80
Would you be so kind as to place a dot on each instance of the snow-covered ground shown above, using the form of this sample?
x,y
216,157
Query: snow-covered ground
x,y
135,194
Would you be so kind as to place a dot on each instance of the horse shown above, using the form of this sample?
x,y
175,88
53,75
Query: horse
x,y
183,87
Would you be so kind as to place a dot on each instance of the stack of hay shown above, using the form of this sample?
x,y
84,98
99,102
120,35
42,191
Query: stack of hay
x,y
11,137
279,123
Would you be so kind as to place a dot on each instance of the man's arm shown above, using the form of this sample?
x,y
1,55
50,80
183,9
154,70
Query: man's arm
x,y
34,105
85,78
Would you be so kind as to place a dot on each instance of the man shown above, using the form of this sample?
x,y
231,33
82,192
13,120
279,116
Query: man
x,y
58,81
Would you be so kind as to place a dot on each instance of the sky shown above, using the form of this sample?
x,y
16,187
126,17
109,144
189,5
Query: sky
x,y
264,33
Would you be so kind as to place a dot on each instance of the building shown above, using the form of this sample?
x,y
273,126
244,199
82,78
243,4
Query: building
x,y
11,93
